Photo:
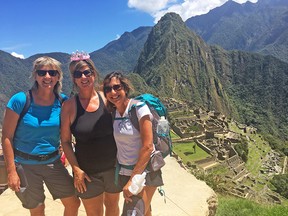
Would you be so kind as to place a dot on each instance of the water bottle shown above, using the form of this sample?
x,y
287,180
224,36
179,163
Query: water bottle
x,y
163,126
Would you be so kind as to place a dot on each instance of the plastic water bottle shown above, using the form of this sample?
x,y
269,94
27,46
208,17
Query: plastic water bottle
x,y
163,126
138,182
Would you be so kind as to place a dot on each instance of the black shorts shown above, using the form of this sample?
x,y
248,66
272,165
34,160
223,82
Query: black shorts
x,y
100,182
153,179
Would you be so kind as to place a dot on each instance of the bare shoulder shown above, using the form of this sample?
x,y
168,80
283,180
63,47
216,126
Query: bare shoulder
x,y
69,105
101,93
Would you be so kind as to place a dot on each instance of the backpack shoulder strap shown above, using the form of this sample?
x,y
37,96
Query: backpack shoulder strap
x,y
28,95
59,98
132,113
133,118
113,113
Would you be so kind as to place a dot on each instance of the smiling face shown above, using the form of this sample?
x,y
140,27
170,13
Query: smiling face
x,y
52,79
47,80
115,92
83,79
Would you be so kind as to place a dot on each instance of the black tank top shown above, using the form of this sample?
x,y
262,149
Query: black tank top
x,y
95,147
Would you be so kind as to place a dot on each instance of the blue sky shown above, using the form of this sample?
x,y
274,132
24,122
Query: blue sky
x,y
30,27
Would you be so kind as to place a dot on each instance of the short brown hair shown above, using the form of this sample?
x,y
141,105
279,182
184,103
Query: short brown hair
x,y
128,87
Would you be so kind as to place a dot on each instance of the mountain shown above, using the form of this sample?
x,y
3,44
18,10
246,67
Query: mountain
x,y
121,54
259,27
247,86
12,71
175,62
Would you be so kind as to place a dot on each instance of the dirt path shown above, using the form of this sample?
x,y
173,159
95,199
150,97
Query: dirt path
x,y
185,195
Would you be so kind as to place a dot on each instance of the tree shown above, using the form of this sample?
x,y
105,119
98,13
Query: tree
x,y
280,182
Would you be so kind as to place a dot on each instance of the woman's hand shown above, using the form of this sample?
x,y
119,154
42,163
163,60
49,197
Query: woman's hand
x,y
14,181
79,180
126,193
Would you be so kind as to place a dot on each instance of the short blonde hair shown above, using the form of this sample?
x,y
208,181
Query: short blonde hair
x,y
53,63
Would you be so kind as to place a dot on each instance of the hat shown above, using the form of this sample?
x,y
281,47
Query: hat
x,y
134,208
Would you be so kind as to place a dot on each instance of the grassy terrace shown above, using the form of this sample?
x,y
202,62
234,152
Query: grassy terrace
x,y
257,152
174,135
186,152
231,206
258,149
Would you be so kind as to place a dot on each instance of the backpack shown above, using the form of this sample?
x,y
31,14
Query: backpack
x,y
162,142
28,95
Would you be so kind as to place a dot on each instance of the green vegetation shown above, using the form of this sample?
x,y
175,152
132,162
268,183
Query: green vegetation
x,y
214,179
242,149
256,24
187,154
231,206
277,144
173,135
280,183
257,152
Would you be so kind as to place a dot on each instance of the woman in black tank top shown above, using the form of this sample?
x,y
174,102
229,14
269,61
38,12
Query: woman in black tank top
x,y
86,117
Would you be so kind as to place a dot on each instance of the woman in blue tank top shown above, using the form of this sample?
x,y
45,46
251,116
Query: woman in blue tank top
x,y
86,118
31,138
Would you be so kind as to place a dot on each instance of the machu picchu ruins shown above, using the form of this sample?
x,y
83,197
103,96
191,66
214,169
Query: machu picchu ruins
x,y
211,132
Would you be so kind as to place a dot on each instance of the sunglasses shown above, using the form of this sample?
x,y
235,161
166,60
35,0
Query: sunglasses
x,y
78,74
108,89
42,73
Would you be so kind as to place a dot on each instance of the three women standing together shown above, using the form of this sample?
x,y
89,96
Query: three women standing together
x,y
94,156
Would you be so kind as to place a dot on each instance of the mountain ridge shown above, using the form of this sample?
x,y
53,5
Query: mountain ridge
x,y
179,64
257,27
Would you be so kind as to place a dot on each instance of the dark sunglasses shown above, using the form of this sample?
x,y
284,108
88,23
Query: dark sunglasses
x,y
78,74
42,73
108,89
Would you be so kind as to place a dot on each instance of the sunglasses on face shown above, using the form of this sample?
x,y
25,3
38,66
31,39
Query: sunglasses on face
x,y
42,73
108,89
78,74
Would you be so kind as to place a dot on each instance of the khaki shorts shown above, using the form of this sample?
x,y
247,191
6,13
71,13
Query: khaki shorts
x,y
55,176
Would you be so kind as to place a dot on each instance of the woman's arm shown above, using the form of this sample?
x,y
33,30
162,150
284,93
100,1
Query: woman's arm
x,y
9,126
67,114
147,145
144,154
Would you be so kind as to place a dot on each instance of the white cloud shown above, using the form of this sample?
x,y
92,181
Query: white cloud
x,y
117,37
17,55
185,8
